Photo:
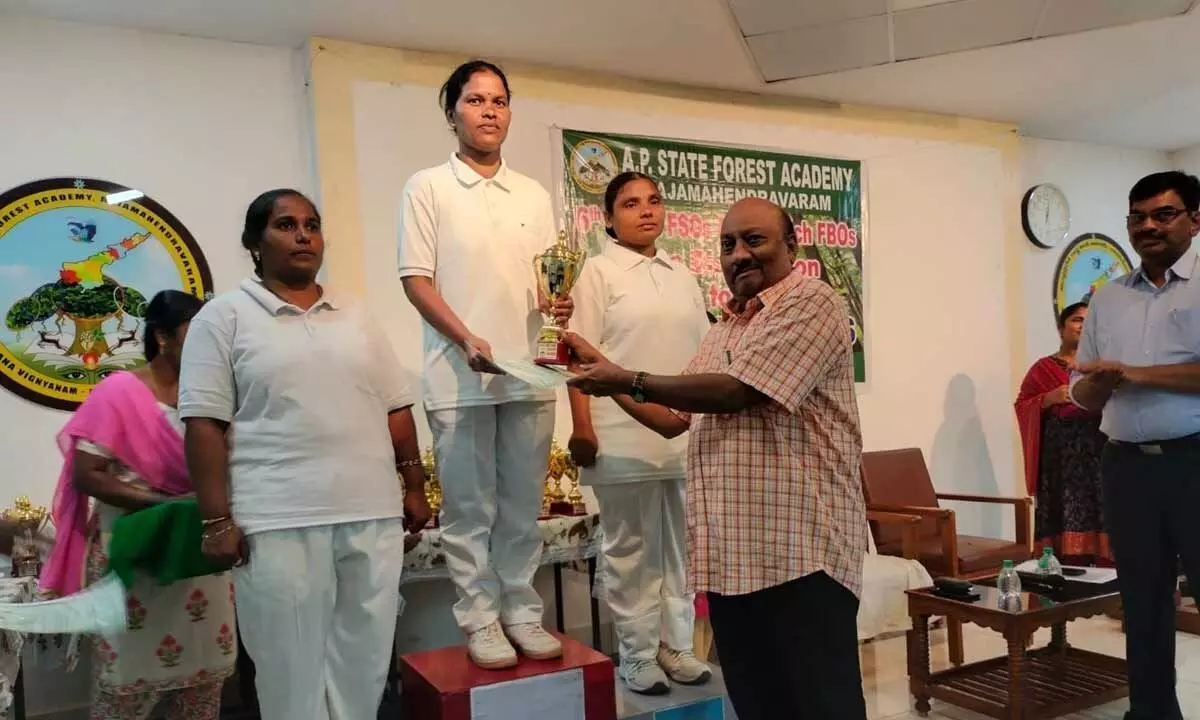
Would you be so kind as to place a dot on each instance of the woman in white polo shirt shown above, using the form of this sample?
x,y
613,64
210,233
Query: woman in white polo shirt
x,y
635,303
297,422
469,230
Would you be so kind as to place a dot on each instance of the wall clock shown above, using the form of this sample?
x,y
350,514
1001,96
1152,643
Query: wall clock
x,y
1045,215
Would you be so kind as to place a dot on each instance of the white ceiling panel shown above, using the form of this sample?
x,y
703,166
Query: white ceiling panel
x,y
898,5
821,49
965,25
1125,85
759,17
1070,16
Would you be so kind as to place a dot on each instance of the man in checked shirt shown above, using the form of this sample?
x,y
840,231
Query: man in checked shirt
x,y
777,527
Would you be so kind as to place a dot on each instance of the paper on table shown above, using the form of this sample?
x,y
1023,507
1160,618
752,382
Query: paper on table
x,y
555,696
530,373
1093,575
1096,575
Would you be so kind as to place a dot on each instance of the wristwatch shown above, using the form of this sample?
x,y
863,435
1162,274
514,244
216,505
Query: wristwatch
x,y
638,391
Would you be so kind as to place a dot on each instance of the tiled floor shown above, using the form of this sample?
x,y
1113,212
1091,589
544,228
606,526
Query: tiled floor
x,y
885,673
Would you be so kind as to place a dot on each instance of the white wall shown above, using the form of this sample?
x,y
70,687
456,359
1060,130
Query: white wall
x,y
1187,159
1096,180
200,126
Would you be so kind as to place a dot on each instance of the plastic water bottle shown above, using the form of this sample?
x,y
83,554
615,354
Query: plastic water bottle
x,y
1048,564
1009,585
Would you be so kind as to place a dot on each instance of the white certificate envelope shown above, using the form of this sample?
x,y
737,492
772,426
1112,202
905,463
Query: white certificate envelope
x,y
541,377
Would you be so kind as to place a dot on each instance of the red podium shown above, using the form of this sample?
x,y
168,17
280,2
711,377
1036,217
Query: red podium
x,y
445,685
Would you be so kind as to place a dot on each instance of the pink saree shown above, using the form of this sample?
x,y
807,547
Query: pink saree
x,y
122,416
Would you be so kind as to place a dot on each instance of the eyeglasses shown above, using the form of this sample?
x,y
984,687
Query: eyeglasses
x,y
1161,216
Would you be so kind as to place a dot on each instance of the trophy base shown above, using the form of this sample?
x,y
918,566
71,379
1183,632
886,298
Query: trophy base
x,y
551,350
26,567
566,508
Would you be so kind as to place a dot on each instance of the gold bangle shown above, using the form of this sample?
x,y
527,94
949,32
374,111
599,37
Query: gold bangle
x,y
207,536
414,462
215,521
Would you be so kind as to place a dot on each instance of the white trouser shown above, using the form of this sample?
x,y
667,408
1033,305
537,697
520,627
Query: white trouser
x,y
491,462
645,566
316,608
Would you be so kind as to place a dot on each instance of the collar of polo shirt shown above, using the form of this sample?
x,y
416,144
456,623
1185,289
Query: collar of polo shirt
x,y
274,304
627,259
468,177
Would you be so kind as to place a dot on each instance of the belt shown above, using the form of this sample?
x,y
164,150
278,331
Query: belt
x,y
1161,447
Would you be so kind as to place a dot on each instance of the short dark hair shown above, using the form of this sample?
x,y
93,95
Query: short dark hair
x,y
167,311
1186,186
614,189
1070,310
452,89
259,214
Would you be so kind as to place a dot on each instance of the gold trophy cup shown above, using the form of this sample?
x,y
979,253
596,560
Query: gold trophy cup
x,y
433,487
29,518
557,271
575,496
555,500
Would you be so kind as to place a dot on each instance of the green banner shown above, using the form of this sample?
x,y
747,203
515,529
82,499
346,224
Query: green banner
x,y
699,183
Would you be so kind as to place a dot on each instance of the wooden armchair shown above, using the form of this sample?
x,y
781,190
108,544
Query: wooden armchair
x,y
897,481
908,526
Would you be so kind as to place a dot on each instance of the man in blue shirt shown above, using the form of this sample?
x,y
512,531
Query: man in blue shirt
x,y
1139,361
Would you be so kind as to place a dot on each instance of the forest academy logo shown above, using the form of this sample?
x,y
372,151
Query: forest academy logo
x,y
79,260
593,165
1090,261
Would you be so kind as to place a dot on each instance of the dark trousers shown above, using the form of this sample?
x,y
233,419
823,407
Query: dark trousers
x,y
790,651
1152,511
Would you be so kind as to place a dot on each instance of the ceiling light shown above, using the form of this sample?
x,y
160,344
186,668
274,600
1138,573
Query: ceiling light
x,y
898,5
124,196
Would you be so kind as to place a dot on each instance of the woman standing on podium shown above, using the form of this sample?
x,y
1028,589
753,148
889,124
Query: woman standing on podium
x,y
636,304
469,230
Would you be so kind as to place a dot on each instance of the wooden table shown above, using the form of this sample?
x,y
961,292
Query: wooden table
x,y
1026,683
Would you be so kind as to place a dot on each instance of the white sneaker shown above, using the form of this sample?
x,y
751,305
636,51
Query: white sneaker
x,y
644,677
683,666
533,641
489,649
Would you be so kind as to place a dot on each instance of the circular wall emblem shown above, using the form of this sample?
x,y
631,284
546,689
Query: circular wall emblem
x,y
79,260
593,165
1086,264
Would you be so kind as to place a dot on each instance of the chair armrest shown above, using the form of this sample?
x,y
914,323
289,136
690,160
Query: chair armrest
x,y
958,497
910,538
947,528
933,512
1022,508
893,518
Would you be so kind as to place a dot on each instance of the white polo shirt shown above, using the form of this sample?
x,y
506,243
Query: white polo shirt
x,y
644,314
476,238
307,395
